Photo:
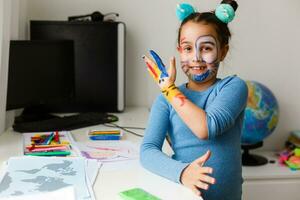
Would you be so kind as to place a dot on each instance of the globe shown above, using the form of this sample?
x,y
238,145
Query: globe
x,y
261,113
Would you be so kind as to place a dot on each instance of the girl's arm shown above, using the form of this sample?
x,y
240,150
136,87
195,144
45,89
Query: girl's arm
x,y
219,116
193,175
151,155
193,116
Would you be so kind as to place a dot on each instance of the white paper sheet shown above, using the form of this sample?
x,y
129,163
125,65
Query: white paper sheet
x,y
37,175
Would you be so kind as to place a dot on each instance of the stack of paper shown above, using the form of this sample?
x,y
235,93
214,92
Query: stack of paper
x,y
107,151
68,193
40,175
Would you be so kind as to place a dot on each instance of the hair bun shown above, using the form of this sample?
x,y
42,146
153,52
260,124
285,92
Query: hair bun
x,y
183,10
232,3
225,12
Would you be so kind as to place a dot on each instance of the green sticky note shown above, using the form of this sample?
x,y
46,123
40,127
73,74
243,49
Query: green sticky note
x,y
137,194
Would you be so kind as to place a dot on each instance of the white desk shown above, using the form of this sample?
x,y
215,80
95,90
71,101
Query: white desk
x,y
270,181
110,182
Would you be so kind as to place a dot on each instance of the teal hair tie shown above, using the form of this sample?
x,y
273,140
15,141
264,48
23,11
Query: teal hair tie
x,y
225,13
183,10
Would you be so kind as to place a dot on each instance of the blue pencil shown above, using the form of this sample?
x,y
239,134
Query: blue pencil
x,y
49,139
105,137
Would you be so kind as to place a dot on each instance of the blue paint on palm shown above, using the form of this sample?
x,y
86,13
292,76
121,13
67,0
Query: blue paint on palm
x,y
160,64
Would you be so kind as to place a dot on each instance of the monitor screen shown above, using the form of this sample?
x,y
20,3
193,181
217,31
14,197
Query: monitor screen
x,y
40,73
99,61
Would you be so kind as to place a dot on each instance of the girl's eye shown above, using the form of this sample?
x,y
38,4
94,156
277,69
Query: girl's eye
x,y
187,49
206,49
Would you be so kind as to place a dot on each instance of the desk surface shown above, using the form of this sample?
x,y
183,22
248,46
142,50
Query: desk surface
x,y
110,182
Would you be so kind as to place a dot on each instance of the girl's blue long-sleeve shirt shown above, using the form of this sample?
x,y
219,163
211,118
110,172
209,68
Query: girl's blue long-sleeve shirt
x,y
224,103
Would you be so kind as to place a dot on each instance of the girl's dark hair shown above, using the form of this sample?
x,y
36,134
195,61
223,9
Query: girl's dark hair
x,y
221,28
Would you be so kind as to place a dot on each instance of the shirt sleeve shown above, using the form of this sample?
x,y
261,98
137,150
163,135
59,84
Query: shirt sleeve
x,y
229,103
151,155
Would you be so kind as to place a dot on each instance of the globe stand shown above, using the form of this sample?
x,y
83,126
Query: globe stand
x,y
251,159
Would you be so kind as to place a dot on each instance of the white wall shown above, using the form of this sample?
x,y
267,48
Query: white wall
x,y
5,14
265,45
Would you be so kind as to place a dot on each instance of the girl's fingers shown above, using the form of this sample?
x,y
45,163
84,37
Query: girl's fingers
x,y
151,74
195,190
172,69
202,185
202,159
158,71
152,68
207,179
206,170
159,63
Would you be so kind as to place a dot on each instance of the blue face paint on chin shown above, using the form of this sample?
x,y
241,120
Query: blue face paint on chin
x,y
200,77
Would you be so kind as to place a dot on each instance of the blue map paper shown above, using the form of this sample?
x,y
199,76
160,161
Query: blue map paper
x,y
27,175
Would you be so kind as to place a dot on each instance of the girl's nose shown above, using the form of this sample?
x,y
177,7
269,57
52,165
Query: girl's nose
x,y
197,57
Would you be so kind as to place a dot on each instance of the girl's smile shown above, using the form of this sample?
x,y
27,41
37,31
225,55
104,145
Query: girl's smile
x,y
200,69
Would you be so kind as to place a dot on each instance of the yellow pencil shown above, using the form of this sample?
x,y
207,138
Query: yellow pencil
x,y
113,132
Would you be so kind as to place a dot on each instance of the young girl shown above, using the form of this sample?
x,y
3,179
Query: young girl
x,y
203,117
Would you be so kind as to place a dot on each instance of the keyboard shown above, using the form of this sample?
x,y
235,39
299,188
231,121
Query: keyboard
x,y
65,123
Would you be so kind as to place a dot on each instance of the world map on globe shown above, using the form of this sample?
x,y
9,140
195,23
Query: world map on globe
x,y
261,113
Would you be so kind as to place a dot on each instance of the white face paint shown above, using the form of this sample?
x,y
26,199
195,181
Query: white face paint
x,y
206,49
199,60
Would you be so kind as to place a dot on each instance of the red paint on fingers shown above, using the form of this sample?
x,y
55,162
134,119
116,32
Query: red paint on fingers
x,y
152,70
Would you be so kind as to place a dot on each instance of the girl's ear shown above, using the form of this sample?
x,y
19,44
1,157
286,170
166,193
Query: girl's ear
x,y
224,51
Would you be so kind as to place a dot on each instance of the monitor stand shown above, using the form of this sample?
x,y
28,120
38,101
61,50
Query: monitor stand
x,y
31,114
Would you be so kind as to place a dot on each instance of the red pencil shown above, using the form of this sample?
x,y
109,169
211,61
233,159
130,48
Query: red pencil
x,y
56,137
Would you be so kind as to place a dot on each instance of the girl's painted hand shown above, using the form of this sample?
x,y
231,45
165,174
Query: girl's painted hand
x,y
158,70
195,175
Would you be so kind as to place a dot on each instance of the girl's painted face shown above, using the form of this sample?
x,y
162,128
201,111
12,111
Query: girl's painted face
x,y
199,51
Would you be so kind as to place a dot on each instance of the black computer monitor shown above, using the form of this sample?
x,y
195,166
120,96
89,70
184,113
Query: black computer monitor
x,y
99,61
41,74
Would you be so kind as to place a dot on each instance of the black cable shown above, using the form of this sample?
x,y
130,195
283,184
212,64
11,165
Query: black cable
x,y
131,127
125,128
